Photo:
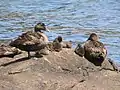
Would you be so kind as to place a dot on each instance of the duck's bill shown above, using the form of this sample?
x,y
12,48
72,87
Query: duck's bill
x,y
47,29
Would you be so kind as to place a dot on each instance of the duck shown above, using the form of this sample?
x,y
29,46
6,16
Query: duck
x,y
93,50
32,40
64,44
58,44
8,51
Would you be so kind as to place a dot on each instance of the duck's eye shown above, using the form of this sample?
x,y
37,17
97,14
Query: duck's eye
x,y
42,24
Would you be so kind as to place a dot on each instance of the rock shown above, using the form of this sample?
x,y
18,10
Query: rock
x,y
8,51
115,66
62,70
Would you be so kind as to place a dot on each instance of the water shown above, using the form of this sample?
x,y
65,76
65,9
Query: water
x,y
73,19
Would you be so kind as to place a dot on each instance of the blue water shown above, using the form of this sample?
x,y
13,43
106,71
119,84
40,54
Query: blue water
x,y
73,19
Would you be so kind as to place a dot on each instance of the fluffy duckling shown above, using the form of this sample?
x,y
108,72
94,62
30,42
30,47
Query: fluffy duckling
x,y
58,44
64,44
93,50
32,40
8,51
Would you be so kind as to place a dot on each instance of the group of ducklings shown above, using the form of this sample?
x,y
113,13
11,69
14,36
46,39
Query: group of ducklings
x,y
37,41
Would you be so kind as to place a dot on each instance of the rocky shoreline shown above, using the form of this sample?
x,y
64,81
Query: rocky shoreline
x,y
62,70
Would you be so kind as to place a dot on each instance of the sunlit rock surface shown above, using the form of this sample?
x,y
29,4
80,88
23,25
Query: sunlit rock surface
x,y
62,70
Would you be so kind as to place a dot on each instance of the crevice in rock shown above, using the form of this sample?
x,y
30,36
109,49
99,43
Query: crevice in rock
x,y
81,81
65,69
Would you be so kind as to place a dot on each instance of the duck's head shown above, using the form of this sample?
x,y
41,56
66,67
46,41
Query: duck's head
x,y
40,26
93,37
59,38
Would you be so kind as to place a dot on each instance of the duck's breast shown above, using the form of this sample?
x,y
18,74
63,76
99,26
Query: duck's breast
x,y
43,37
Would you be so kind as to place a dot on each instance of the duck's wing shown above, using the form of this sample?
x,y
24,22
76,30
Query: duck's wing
x,y
21,39
93,46
28,38
95,49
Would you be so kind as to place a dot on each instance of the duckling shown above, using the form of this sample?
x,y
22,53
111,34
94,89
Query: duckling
x,y
79,50
58,44
8,51
64,44
32,40
93,50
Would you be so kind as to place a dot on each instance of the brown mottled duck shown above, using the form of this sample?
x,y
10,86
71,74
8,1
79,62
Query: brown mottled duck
x,y
93,50
32,40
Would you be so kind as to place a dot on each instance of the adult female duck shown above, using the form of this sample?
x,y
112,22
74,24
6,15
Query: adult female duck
x,y
32,40
93,50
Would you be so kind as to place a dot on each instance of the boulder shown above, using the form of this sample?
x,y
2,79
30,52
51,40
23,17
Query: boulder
x,y
62,70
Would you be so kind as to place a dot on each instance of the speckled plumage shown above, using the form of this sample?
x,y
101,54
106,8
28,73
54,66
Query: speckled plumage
x,y
31,40
93,50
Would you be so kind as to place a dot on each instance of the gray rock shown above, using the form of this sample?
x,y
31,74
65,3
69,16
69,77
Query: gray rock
x,y
62,70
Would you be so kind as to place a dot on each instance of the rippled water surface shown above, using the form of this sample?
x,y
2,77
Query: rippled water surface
x,y
73,19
